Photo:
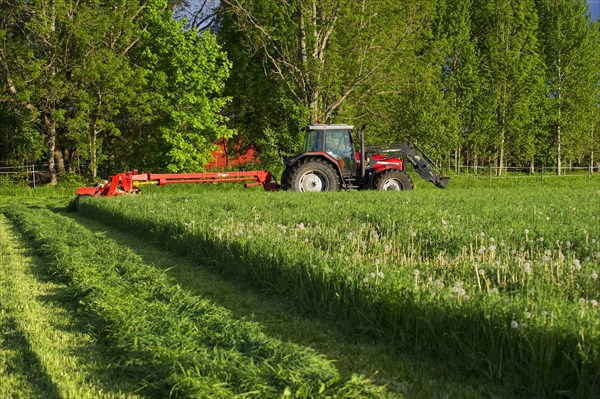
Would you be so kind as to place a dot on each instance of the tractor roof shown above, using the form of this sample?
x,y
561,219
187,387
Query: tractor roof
x,y
329,127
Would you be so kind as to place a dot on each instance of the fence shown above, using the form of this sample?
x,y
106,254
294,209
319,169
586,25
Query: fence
x,y
525,172
30,174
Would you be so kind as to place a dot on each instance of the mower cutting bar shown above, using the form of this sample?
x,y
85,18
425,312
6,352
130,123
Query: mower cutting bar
x,y
129,182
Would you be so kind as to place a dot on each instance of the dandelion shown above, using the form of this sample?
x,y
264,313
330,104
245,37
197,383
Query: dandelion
x,y
526,231
300,226
527,267
365,280
380,274
594,303
372,274
416,272
514,324
594,275
492,248
576,264
439,284
481,272
482,234
527,315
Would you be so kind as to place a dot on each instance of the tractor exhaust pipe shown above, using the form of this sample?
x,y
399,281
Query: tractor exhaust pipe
x,y
361,137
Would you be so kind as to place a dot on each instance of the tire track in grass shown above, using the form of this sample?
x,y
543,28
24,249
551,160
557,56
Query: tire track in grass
x,y
44,350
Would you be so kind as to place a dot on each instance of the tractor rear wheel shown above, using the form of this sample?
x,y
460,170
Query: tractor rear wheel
x,y
311,175
393,180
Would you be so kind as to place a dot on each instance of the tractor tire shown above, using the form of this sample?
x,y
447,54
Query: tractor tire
x,y
393,180
311,175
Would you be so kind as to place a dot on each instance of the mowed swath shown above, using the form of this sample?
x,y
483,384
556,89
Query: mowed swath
x,y
505,281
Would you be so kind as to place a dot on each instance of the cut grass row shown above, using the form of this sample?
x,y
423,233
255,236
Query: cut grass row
x,y
46,349
447,275
184,345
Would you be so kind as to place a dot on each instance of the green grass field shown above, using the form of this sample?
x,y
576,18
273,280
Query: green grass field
x,y
477,291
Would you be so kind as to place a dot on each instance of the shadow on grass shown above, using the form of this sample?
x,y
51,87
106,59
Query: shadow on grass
x,y
538,363
357,347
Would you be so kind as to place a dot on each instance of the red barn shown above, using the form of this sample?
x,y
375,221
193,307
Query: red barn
x,y
224,158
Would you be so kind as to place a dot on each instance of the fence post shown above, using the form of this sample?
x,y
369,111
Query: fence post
x,y
490,174
542,173
33,174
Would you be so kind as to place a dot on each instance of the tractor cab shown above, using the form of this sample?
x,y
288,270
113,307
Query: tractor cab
x,y
334,140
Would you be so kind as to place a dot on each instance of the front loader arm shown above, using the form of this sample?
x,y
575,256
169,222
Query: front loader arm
x,y
421,163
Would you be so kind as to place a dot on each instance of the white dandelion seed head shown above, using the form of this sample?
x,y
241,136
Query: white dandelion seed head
x,y
380,275
514,324
416,272
594,275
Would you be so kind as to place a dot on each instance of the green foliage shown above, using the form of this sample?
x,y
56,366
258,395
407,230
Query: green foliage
x,y
89,78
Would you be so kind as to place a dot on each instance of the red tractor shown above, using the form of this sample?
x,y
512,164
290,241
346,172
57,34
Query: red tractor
x,y
329,163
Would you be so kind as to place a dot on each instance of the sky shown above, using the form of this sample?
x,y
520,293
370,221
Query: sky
x,y
595,8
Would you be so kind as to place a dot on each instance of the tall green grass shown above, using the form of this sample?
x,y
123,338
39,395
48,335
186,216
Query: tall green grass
x,y
502,281
185,345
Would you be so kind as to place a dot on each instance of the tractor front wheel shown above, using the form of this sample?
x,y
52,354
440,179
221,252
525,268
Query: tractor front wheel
x,y
393,180
311,175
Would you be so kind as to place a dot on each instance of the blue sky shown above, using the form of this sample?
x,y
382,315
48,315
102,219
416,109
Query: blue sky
x,y
595,8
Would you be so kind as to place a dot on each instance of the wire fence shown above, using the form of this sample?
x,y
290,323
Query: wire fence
x,y
29,174
527,172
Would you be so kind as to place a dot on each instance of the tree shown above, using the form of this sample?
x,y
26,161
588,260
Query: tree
x,y
89,73
570,44
312,60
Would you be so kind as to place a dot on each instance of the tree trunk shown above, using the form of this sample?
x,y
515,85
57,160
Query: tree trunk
x,y
51,129
558,152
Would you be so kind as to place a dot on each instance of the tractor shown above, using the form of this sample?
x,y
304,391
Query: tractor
x,y
329,163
